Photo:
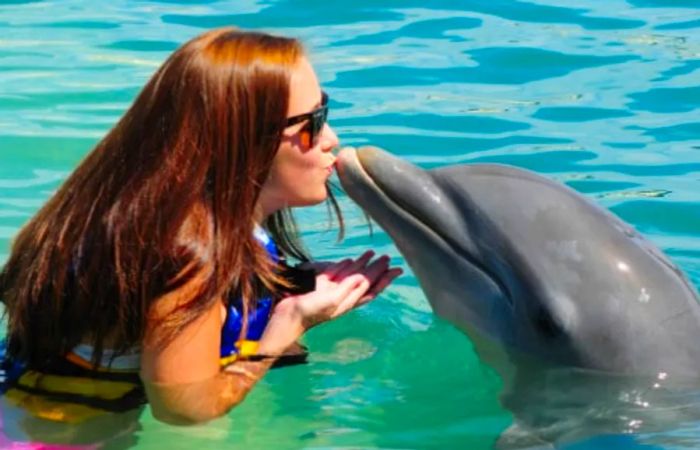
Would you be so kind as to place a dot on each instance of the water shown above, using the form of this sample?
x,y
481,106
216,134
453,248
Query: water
x,y
603,97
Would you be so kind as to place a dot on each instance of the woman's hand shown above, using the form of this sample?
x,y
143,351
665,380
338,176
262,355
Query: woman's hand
x,y
343,286
340,287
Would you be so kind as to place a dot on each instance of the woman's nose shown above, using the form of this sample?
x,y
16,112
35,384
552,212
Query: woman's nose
x,y
329,140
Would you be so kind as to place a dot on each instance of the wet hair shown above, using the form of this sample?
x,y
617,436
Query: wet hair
x,y
165,200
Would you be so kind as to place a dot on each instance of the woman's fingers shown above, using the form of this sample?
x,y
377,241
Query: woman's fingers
x,y
374,270
386,279
332,270
356,266
351,283
356,288
346,285
338,271
379,276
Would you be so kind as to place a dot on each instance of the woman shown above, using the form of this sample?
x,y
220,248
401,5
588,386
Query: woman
x,y
157,256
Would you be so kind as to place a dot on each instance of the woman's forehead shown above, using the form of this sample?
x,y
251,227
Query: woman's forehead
x,y
304,89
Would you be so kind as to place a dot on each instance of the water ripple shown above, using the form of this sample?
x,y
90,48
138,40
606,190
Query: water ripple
x,y
684,69
144,46
579,114
667,100
498,65
423,29
667,217
522,11
440,122
78,24
690,4
679,25
430,150
282,16
680,132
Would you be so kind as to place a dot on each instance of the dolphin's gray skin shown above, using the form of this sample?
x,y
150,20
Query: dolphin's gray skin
x,y
548,285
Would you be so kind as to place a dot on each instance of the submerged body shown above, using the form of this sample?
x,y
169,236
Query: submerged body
x,y
543,281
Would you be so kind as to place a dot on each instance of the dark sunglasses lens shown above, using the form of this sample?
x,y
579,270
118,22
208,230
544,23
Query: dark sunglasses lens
x,y
319,120
315,121
312,130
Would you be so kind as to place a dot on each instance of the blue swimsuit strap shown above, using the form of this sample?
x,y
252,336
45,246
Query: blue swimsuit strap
x,y
258,316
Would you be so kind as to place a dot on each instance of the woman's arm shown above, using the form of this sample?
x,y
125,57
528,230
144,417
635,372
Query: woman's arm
x,y
183,380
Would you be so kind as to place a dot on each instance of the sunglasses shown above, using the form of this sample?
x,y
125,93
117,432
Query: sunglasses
x,y
315,120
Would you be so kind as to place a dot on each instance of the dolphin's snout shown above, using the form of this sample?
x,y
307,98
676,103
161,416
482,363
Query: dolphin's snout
x,y
352,162
346,160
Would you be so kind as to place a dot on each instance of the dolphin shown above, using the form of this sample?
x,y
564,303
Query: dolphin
x,y
536,275
513,257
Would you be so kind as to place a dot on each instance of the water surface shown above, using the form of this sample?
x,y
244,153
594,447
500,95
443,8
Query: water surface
x,y
603,96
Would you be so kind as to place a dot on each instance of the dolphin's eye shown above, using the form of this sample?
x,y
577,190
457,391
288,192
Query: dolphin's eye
x,y
545,324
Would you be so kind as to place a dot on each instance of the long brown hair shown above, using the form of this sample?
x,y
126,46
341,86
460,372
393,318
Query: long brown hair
x,y
168,196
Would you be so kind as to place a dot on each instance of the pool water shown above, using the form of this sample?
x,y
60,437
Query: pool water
x,y
603,96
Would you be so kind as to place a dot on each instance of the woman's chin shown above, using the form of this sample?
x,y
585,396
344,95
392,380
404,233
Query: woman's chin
x,y
315,199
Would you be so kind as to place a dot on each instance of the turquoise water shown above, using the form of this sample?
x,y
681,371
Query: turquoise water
x,y
603,96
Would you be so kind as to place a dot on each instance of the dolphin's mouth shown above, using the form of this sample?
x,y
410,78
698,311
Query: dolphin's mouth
x,y
352,172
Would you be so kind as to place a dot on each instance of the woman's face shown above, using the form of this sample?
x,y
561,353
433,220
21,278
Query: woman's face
x,y
300,169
